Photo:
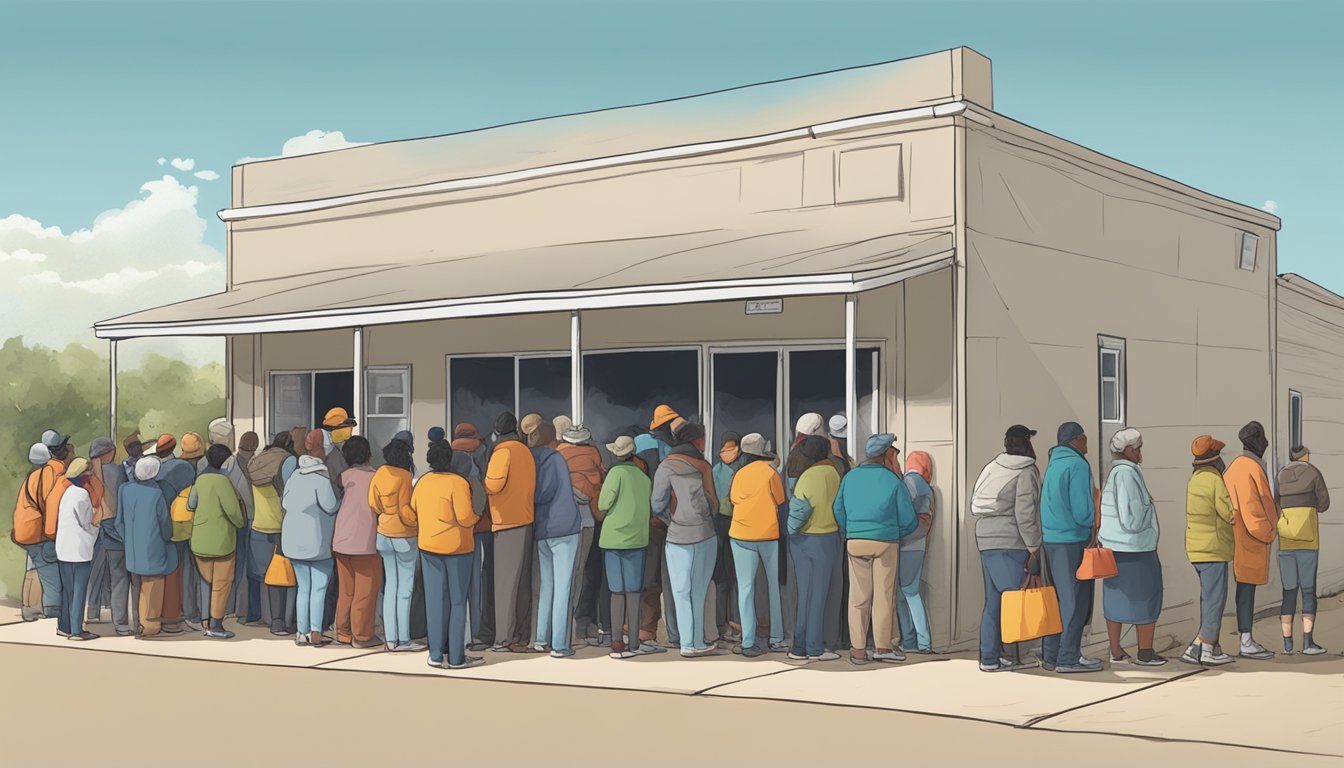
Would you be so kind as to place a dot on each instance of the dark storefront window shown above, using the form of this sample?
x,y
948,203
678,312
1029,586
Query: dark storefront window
x,y
817,385
544,386
746,387
622,388
481,388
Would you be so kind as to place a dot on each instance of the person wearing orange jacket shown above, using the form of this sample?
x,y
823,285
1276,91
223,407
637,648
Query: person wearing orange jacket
x,y
585,475
390,499
30,517
442,505
1254,523
511,482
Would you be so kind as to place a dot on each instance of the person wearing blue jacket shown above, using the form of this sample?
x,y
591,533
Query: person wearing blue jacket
x,y
1068,516
874,511
146,530
557,527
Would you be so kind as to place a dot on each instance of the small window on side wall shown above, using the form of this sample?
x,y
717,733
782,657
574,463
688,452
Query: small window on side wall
x,y
1294,418
1249,244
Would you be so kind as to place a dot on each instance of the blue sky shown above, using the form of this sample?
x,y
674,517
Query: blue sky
x,y
1236,97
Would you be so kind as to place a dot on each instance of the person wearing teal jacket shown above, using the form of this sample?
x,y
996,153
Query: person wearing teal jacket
x,y
1068,513
725,582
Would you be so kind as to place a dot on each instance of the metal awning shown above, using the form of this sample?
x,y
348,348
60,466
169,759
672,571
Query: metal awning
x,y
693,267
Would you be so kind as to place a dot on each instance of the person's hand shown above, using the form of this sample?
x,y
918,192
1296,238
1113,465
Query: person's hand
x,y
1033,564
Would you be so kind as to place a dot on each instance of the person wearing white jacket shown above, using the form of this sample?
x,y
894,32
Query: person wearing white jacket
x,y
75,536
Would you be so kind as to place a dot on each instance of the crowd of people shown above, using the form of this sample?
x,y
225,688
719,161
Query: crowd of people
x,y
530,541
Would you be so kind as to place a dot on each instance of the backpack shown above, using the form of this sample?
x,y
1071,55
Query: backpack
x,y
29,512
181,515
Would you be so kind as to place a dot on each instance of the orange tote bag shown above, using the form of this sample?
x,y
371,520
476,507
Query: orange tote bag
x,y
1029,613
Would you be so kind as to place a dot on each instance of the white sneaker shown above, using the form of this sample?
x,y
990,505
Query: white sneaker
x,y
1254,650
889,656
825,656
1214,658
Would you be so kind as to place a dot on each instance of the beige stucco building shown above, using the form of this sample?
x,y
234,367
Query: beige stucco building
x,y
877,241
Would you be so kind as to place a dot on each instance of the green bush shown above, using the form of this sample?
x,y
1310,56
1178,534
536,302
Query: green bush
x,y
67,391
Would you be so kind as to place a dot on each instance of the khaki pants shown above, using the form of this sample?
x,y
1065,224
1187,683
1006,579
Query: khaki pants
x,y
151,603
872,591
32,590
218,573
358,578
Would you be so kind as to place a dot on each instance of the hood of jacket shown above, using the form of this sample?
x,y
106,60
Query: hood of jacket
x,y
265,466
1014,463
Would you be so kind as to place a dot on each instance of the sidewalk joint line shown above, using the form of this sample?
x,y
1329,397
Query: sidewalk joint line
x,y
1042,718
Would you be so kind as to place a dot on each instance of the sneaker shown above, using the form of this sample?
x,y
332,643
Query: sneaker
x,y
695,653
1123,658
859,661
541,648
125,631
604,640
1255,651
59,633
1153,660
373,642
889,657
440,664
618,651
219,634
301,640
1075,669
752,652
648,649
501,649
1192,655
478,647
471,661
277,631
1012,665
83,637
193,625
777,647
411,647
998,667
1086,662
1215,658
1312,649
796,656
565,654
523,648
825,656
173,629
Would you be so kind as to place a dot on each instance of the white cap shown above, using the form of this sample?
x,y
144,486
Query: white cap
x,y
1126,438
839,425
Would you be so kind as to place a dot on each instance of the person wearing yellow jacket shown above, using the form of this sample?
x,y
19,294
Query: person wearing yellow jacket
x,y
1208,544
1302,497
1253,526
441,504
511,482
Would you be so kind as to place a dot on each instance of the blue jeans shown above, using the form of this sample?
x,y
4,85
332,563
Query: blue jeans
x,y
75,590
813,560
1075,603
447,582
624,570
911,614
689,569
474,588
556,559
49,574
748,556
313,576
399,558
1003,570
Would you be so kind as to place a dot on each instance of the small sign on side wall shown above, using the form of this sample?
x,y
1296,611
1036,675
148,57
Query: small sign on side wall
x,y
765,306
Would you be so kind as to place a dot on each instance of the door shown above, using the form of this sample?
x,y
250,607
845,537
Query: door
x,y
745,395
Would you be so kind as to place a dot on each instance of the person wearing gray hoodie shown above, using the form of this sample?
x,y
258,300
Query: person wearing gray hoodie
x,y
1006,506
684,499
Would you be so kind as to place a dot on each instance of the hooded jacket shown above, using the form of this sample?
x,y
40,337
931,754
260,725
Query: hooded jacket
x,y
683,496
1208,517
921,493
144,525
310,512
1067,503
1302,496
356,530
873,504
511,481
555,514
467,439
1004,503
1255,521
585,475
76,533
217,515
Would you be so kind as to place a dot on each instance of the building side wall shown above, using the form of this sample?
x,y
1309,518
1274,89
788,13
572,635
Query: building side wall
x,y
1058,252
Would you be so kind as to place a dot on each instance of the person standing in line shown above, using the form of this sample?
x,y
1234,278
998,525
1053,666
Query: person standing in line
x,y
464,466
624,504
1068,517
725,576
390,499
813,537
684,499
195,600
354,544
267,472
875,511
558,529
511,482
585,475
1254,526
654,445
32,513
1302,496
221,432
134,445
112,580
468,445
38,456
305,538
337,427
445,519
147,530
1129,527
911,615
757,494
248,604
217,516
176,476
1208,545
99,592
1005,503
75,536
837,595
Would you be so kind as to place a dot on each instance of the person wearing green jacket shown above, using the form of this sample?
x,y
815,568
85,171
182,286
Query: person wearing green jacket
x,y
1209,546
217,516
625,506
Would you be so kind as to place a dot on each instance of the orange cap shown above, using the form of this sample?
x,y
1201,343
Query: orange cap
x,y
193,447
1205,445
661,415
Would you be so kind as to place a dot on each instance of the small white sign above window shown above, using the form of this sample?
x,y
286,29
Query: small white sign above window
x,y
765,306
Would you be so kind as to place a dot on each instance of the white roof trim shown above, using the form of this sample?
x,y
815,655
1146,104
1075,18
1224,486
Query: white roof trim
x,y
948,109
529,303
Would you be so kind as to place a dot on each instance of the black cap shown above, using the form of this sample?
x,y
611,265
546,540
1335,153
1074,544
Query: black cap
x,y
1020,432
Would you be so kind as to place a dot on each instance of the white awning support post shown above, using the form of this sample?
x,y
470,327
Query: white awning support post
x,y
358,394
851,369
112,391
576,366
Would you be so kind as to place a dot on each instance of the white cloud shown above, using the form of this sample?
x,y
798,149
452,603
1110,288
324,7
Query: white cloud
x,y
184,164
162,160
1270,206
147,253
310,142
207,175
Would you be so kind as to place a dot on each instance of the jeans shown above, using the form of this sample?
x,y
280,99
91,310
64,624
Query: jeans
x,y
399,558
814,562
911,614
725,577
313,577
447,582
1297,567
594,604
118,588
747,557
580,623
689,569
556,560
49,573
192,607
1075,603
475,587
1212,599
261,547
1245,607
75,590
1003,571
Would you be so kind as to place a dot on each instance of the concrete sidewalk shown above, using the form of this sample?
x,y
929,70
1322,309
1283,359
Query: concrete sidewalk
x,y
1290,704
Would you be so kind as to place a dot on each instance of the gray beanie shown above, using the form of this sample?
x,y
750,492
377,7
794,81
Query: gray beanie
x,y
101,446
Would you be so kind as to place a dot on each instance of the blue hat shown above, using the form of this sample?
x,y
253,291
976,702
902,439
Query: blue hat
x,y
436,434
1069,431
878,444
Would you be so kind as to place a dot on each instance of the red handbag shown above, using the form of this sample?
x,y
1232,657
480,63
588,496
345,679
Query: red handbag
x,y
1098,561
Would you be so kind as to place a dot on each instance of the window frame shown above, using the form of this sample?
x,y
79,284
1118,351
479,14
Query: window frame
x,y
1112,346
1253,240
311,373
1296,424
